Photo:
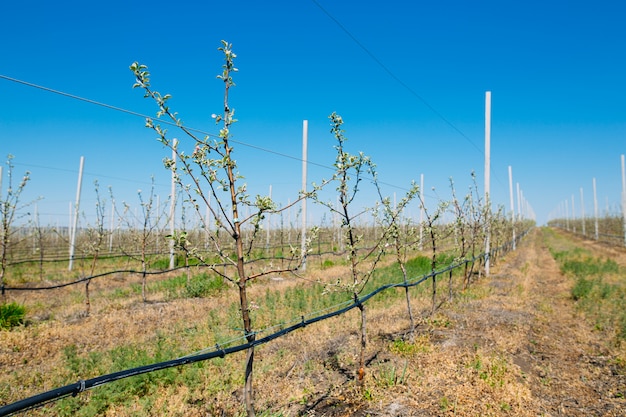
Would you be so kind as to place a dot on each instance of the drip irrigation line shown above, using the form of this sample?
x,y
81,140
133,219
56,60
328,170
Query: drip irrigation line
x,y
63,258
78,281
83,385
133,271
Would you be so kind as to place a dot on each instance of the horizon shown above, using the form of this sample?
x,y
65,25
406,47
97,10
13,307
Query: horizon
x,y
408,79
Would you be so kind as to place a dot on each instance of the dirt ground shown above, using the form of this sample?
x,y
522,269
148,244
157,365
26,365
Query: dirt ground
x,y
514,344
519,348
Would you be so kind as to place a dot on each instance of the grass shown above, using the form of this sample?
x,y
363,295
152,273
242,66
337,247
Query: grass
x,y
11,315
191,315
598,288
125,392
179,286
404,348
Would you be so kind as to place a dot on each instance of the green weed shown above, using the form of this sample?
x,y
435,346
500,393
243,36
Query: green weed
x,y
598,289
588,267
493,371
581,289
444,403
388,375
204,285
128,390
327,264
11,315
421,344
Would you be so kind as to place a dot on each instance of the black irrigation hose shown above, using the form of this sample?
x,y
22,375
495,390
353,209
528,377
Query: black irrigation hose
x,y
78,281
113,255
83,385
130,271
64,258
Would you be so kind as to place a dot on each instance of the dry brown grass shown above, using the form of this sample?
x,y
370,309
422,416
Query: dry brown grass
x,y
512,344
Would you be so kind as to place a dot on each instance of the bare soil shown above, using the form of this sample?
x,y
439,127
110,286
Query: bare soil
x,y
518,348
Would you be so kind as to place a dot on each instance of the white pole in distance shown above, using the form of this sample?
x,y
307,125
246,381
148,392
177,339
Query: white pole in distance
x,y
595,209
111,226
267,225
566,215
624,197
512,203
158,221
76,207
305,139
582,210
573,215
173,205
421,244
487,178
519,211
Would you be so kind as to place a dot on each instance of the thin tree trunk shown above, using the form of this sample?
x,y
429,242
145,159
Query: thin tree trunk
x,y
143,285
248,389
433,266
361,372
434,295
408,304
248,392
87,302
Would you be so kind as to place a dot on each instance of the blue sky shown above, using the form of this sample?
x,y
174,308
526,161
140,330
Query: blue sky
x,y
408,77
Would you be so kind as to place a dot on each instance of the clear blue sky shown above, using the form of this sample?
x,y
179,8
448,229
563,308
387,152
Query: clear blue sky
x,y
408,77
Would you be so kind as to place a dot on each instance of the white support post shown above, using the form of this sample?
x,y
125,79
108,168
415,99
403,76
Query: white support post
x,y
76,209
173,206
582,210
519,211
566,216
422,209
158,219
267,226
595,210
573,215
487,179
624,198
111,226
305,139
512,204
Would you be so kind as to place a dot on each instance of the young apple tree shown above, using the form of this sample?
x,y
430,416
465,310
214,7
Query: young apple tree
x,y
9,209
363,259
210,174
402,239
